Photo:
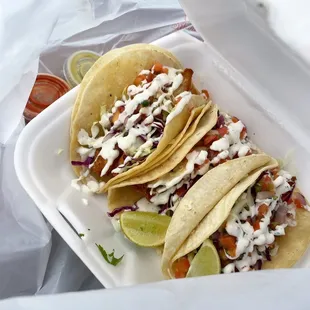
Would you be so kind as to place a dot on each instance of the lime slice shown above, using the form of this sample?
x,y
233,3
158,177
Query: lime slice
x,y
206,262
147,229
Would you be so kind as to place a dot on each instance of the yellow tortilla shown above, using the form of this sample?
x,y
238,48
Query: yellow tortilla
x,y
202,197
125,196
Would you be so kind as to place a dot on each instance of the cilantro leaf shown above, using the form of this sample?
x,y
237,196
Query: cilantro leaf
x,y
109,257
81,235
145,103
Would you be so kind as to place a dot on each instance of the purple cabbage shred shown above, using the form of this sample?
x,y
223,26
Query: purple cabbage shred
x,y
220,121
89,160
267,253
143,138
124,208
258,265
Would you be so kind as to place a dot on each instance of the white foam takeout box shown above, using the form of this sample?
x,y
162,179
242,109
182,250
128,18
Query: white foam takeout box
x,y
248,72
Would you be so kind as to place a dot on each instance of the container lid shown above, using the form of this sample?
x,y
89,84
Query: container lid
x,y
239,32
47,89
77,65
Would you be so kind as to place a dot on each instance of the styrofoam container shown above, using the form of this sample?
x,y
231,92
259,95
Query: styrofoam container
x,y
274,124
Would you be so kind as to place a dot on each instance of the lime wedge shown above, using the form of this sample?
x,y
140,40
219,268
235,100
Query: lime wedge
x,y
146,229
206,262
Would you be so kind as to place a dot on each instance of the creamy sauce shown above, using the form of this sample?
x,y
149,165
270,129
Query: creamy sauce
x,y
220,145
92,186
186,97
222,155
145,206
231,144
162,189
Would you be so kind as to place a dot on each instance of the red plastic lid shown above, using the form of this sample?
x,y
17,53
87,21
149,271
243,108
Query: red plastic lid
x,y
47,89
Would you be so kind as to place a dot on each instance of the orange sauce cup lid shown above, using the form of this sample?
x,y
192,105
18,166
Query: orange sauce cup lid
x,y
47,89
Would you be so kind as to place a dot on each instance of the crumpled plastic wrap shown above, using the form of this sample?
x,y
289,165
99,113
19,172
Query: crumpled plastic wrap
x,y
33,258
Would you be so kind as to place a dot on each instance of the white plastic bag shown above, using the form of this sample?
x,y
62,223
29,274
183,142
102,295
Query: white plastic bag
x,y
32,259
25,27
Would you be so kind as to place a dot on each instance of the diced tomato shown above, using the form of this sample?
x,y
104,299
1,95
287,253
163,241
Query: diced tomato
x,y
200,143
266,184
223,131
262,210
158,68
212,154
229,244
165,70
243,133
180,267
209,139
138,80
150,77
235,119
256,225
298,199
181,191
117,113
206,93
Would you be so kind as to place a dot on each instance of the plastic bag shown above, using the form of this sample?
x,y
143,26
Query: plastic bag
x,y
33,258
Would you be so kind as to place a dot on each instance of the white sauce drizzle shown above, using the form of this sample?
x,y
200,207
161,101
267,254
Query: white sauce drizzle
x,y
230,144
247,239
186,97
163,189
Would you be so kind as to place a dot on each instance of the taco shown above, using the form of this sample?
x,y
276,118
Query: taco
x,y
218,138
139,103
252,227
